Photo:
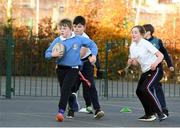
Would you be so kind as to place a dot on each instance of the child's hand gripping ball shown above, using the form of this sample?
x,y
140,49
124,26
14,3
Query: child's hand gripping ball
x,y
58,50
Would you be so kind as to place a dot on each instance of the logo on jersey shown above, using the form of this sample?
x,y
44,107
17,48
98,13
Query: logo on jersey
x,y
75,46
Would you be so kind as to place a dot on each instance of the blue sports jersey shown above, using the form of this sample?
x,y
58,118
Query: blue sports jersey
x,y
72,53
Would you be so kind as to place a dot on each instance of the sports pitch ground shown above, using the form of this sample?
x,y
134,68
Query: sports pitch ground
x,y
41,111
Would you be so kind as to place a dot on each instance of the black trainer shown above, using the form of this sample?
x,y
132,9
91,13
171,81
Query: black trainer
x,y
162,116
98,114
147,118
70,114
75,103
165,111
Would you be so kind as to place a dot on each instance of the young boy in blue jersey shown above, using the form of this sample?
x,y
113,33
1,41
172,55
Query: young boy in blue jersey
x,y
159,45
68,64
87,69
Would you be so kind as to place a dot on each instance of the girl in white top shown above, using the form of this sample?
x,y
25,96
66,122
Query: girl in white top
x,y
148,57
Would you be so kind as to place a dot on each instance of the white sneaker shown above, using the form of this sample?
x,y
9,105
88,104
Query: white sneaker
x,y
89,109
98,114
83,110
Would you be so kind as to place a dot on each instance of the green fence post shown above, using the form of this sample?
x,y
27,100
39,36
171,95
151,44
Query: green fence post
x,y
106,71
0,73
9,39
9,59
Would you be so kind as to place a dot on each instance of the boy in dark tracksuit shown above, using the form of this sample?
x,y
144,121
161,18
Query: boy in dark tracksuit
x,y
87,70
69,62
159,45
79,25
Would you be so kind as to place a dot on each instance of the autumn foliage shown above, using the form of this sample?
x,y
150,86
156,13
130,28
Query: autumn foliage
x,y
108,24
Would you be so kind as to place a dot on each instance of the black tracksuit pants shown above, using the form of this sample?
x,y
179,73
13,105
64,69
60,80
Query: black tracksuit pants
x,y
89,94
146,84
67,77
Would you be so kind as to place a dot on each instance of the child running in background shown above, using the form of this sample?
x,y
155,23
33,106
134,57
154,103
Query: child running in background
x,y
87,69
142,52
68,65
159,45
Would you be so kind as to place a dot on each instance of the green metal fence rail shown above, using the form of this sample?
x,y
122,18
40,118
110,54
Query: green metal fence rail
x,y
32,75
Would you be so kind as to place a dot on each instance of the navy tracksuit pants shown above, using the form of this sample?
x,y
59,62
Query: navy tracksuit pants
x,y
89,94
145,93
67,77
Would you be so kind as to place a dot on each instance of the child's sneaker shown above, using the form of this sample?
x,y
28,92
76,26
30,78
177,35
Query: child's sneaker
x,y
89,110
147,118
60,115
70,114
162,116
165,111
75,104
98,114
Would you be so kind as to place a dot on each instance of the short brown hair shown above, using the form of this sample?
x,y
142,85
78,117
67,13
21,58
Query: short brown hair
x,y
141,29
65,22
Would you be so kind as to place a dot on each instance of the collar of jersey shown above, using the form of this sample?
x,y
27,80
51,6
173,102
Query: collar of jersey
x,y
137,43
63,39
151,38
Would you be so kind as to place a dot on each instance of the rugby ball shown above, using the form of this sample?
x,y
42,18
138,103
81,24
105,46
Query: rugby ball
x,y
59,47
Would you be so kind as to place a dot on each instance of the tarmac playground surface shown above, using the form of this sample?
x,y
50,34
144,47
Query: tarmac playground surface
x,y
41,111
